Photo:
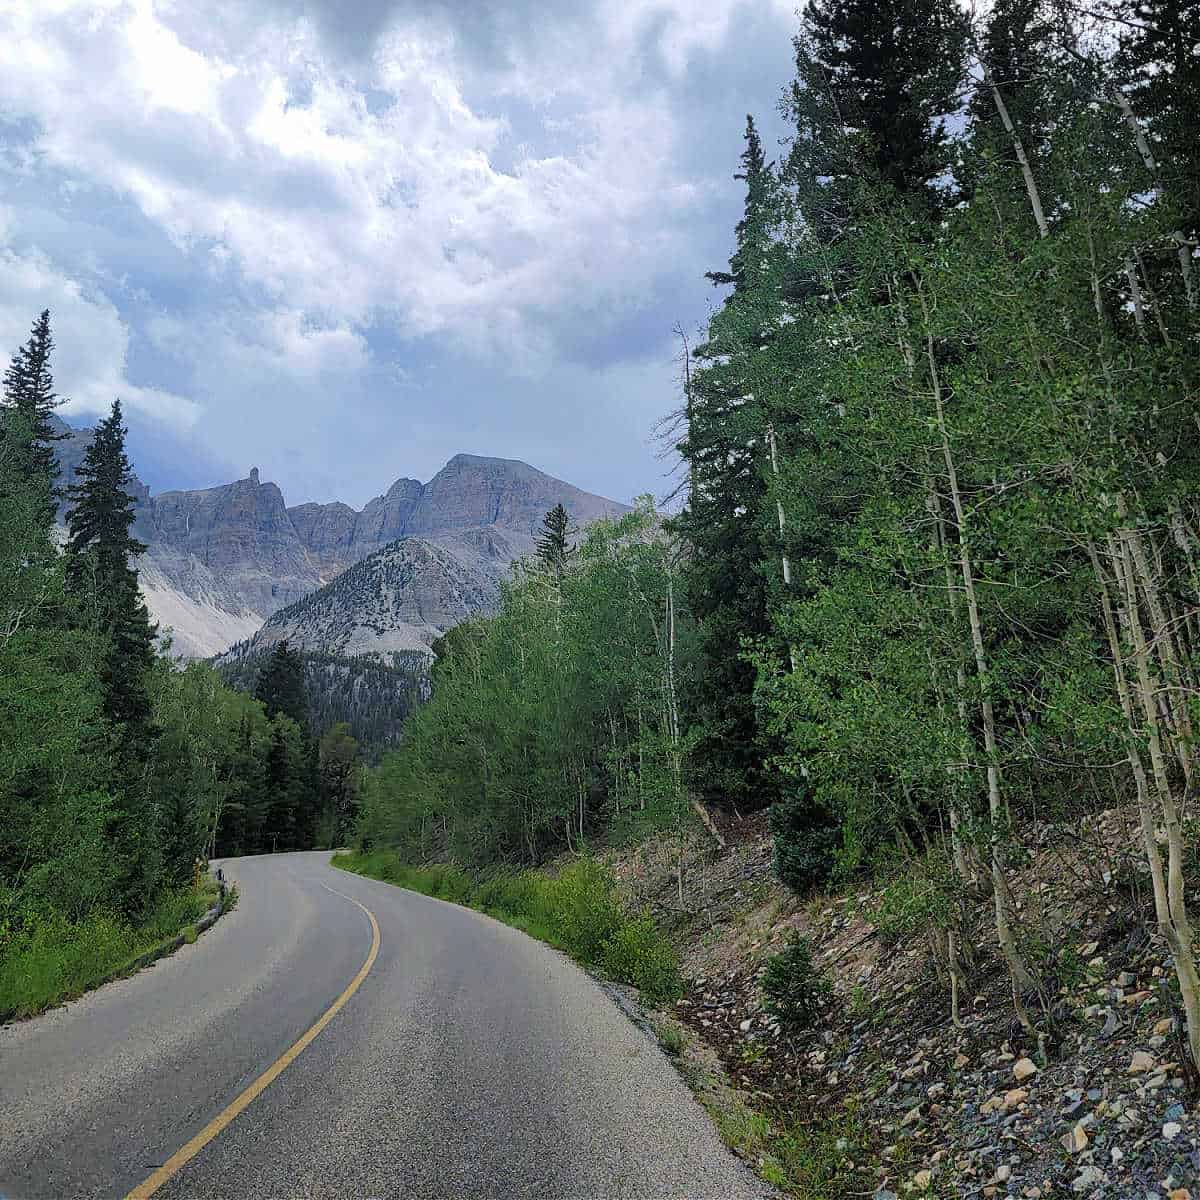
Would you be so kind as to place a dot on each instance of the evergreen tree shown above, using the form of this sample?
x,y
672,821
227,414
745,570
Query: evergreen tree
x,y
723,448
280,687
875,82
100,554
759,213
29,391
553,547
1158,69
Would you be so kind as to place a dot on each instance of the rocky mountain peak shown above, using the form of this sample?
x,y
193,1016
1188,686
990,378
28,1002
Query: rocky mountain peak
x,y
221,560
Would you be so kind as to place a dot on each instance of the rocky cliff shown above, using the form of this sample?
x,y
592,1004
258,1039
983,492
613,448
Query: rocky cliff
x,y
221,560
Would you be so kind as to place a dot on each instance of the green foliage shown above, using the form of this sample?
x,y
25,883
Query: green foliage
x,y
920,896
805,841
949,394
56,959
29,397
793,989
552,721
553,544
577,910
280,687
120,769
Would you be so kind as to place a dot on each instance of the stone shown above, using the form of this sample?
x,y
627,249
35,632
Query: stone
x,y
1023,1069
1076,1140
1015,1097
1141,1062
1171,1130
922,1179
1089,1177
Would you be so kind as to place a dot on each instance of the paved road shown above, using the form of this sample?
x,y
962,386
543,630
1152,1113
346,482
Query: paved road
x,y
471,1061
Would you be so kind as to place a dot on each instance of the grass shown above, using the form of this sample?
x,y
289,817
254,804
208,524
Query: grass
x,y
812,1160
671,1037
57,959
577,910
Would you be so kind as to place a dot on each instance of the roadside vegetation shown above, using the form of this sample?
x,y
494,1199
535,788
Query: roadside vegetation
x,y
120,768
54,959
577,910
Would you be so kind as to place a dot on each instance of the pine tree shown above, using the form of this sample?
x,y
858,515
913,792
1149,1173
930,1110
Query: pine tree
x,y
100,554
553,547
759,212
875,82
1158,86
723,448
29,391
280,687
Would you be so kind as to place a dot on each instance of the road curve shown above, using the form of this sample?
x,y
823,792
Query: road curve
x,y
471,1061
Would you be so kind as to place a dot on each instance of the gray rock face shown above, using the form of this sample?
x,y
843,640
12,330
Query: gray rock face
x,y
222,560
327,533
470,492
242,532
399,598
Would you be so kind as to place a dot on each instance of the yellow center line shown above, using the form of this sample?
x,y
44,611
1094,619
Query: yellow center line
x,y
236,1107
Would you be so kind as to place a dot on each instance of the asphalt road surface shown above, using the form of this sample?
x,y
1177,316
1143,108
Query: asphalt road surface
x,y
469,1061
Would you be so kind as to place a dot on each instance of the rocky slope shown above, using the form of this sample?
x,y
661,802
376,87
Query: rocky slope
x,y
221,560
398,599
884,1095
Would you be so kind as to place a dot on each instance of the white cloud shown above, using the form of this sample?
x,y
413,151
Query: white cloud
x,y
91,340
273,159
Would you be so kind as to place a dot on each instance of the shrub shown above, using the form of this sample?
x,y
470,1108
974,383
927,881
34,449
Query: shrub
x,y
921,898
792,986
584,909
638,954
805,843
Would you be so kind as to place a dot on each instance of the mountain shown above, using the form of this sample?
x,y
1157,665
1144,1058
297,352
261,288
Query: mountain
x,y
398,599
220,561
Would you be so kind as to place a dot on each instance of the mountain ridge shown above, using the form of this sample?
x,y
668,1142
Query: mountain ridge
x,y
221,560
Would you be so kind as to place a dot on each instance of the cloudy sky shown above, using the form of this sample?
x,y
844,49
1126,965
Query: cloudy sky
x,y
343,241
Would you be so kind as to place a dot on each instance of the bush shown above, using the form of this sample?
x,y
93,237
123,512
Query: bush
x,y
918,899
792,986
638,954
584,909
805,843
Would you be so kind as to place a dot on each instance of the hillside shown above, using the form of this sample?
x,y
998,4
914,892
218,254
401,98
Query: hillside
x,y
373,696
884,1091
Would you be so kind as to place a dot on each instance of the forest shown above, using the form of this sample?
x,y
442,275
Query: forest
x,y
122,769
933,572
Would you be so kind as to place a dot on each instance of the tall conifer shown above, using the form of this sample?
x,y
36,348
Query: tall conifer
x,y
101,550
29,391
